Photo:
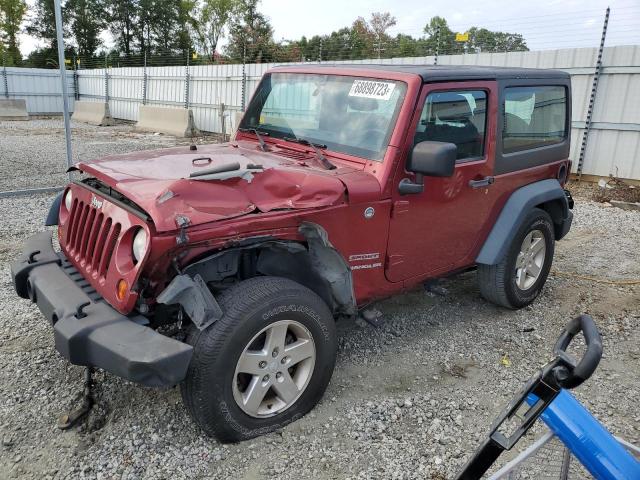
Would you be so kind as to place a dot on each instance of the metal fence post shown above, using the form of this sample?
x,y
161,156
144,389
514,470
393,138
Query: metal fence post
x,y
222,122
244,75
4,76
186,84
144,80
592,98
76,87
320,52
435,60
106,81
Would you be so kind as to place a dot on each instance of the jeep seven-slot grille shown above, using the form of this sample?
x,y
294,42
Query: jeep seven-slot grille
x,y
91,238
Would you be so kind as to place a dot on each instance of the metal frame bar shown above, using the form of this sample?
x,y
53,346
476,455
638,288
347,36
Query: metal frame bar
x,y
63,82
523,456
527,453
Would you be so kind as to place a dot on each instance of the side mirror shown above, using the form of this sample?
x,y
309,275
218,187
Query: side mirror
x,y
433,159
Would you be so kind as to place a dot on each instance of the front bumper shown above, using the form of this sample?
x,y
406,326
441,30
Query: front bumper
x,y
87,330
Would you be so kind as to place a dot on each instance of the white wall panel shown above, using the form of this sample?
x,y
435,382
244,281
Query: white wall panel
x,y
38,86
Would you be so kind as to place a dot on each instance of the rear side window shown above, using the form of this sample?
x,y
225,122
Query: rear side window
x,y
455,117
534,117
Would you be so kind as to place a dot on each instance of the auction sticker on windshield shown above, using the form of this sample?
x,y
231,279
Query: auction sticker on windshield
x,y
372,89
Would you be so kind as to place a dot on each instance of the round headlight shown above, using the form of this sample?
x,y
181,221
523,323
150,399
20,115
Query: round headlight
x,y
139,244
68,200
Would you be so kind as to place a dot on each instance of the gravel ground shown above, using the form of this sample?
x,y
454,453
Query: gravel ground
x,y
408,400
35,151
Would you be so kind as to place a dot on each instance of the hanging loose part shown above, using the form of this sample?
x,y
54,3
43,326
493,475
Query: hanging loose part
x,y
68,420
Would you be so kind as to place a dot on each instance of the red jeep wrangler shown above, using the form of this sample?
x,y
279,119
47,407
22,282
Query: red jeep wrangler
x,y
223,269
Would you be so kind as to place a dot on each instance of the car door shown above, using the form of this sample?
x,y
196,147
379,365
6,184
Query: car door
x,y
439,229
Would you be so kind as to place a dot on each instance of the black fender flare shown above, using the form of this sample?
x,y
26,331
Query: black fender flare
x,y
54,211
512,215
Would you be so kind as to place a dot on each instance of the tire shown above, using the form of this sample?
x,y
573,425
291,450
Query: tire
x,y
503,283
216,386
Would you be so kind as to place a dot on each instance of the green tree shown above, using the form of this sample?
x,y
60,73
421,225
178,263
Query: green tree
x,y
380,23
43,23
440,38
86,22
11,14
123,20
480,40
406,46
212,17
187,23
145,10
483,40
47,57
251,33
361,39
169,32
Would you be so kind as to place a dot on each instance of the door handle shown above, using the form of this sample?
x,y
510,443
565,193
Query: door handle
x,y
484,182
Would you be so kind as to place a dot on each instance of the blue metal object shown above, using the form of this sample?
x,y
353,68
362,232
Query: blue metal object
x,y
599,452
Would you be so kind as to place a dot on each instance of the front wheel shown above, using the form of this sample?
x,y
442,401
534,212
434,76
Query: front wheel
x,y
518,278
264,364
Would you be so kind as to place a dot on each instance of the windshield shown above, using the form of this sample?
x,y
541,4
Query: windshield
x,y
351,115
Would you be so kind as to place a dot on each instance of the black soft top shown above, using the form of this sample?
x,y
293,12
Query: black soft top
x,y
440,73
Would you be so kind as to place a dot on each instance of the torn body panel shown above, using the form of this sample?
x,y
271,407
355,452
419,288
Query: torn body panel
x,y
163,182
195,298
330,265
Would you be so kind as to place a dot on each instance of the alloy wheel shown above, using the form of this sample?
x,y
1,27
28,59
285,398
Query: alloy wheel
x,y
530,260
274,369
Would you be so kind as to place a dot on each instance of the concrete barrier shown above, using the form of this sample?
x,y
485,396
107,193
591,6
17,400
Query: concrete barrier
x,y
95,113
13,109
172,121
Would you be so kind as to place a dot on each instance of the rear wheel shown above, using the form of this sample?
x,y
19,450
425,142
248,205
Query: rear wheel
x,y
518,278
264,364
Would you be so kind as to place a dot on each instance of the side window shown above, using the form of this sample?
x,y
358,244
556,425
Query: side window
x,y
456,117
533,117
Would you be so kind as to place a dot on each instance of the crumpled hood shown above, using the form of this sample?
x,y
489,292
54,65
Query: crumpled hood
x,y
158,181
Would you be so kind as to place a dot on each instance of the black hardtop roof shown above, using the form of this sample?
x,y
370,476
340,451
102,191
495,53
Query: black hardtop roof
x,y
430,73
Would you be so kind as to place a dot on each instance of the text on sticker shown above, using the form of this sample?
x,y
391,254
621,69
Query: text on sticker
x,y
371,89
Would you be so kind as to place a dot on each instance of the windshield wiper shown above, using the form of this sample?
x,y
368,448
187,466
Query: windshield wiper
x,y
263,145
316,148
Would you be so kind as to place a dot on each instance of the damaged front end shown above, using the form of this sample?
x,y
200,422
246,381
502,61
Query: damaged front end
x,y
314,263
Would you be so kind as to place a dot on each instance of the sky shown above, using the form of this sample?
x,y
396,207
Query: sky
x,y
545,24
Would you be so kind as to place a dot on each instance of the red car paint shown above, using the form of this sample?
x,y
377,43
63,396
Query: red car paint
x,y
450,219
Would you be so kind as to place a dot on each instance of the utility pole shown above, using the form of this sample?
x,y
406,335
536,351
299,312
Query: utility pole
x,y
63,81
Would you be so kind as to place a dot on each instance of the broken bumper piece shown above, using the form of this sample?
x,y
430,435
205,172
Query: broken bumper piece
x,y
87,330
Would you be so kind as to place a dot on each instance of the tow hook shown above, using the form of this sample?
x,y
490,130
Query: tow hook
x,y
68,420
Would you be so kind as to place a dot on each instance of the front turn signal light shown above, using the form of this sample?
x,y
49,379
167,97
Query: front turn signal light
x,y
121,289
